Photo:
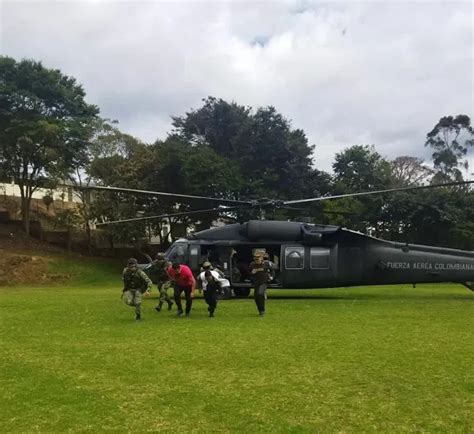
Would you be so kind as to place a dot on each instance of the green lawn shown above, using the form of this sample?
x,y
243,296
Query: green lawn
x,y
380,359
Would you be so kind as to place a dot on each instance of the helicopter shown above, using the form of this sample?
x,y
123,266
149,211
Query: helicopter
x,y
305,255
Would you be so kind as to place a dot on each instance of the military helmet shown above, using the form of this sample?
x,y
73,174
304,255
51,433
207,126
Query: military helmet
x,y
206,264
160,255
132,261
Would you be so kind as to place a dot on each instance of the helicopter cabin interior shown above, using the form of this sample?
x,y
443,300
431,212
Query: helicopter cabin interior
x,y
287,261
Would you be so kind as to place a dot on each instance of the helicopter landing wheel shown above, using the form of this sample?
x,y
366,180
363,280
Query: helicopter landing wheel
x,y
242,292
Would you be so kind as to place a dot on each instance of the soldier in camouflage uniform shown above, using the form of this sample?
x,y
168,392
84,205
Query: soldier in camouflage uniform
x,y
163,282
135,283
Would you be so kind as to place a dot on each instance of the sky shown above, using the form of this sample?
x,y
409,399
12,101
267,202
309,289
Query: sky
x,y
380,73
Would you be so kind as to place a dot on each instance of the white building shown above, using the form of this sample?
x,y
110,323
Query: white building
x,y
62,193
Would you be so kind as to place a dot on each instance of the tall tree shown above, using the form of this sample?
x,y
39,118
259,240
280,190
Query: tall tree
x,y
44,125
408,171
105,141
450,140
441,217
110,206
361,168
357,169
196,170
218,123
120,160
274,158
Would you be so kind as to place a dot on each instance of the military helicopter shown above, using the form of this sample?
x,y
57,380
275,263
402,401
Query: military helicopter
x,y
309,255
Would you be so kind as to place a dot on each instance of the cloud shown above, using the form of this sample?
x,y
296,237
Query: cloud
x,y
346,73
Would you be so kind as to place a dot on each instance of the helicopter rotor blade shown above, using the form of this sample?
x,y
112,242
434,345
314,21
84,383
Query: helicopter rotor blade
x,y
292,208
163,216
162,193
367,193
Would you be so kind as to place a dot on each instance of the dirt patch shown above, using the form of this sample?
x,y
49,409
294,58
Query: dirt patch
x,y
18,268
11,240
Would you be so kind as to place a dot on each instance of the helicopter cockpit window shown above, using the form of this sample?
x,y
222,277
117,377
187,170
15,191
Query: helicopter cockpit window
x,y
319,258
294,258
177,254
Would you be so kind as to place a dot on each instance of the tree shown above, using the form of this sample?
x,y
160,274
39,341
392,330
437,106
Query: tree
x,y
407,171
398,210
105,141
361,168
221,125
209,174
221,150
120,160
450,140
69,219
441,217
44,125
319,184
358,169
110,206
196,170
274,159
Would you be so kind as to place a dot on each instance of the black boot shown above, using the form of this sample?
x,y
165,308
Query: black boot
x,y
158,308
170,305
138,317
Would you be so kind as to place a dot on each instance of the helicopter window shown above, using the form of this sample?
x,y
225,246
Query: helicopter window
x,y
177,254
294,258
319,258
194,257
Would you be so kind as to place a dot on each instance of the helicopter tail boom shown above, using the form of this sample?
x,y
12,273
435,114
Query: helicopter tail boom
x,y
422,265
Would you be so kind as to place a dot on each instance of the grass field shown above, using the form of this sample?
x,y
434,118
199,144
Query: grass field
x,y
380,359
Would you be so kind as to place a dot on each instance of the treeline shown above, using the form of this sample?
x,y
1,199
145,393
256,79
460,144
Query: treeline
x,y
48,134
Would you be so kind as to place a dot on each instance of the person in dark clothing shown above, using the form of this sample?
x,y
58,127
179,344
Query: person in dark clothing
x,y
183,281
260,271
159,270
211,289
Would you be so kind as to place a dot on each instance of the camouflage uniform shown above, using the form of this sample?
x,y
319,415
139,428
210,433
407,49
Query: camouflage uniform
x,y
135,283
163,283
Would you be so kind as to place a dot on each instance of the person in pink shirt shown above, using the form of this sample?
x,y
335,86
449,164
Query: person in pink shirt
x,y
183,281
